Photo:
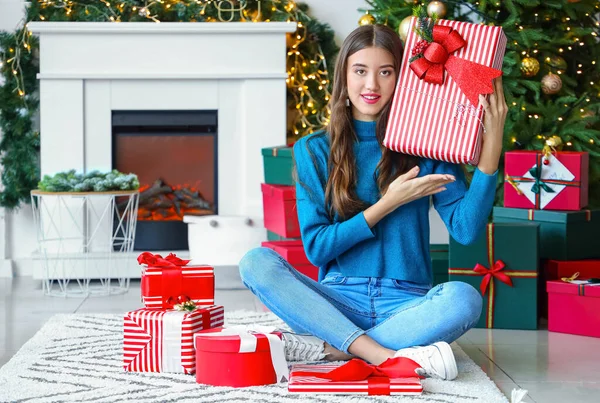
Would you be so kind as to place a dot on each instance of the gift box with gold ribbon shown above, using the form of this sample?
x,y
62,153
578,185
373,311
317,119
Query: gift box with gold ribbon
x,y
564,235
503,265
278,163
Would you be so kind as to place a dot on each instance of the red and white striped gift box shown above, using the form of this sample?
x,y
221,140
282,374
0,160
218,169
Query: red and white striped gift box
x,y
302,382
163,341
162,286
438,121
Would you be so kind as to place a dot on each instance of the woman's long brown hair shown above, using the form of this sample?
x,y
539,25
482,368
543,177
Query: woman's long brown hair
x,y
340,190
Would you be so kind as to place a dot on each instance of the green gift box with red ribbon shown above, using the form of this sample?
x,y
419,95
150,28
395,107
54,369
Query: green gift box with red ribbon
x,y
502,264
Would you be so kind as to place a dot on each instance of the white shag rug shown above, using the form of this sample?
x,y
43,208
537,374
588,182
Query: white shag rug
x,y
78,358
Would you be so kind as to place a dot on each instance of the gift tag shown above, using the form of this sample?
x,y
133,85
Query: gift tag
x,y
554,170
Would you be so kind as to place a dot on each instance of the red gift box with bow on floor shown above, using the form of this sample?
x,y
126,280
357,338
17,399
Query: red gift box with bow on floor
x,y
395,376
574,308
161,341
435,112
546,180
502,264
169,281
240,356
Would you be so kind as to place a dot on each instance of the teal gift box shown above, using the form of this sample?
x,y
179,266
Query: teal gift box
x,y
564,235
439,262
271,236
502,264
278,164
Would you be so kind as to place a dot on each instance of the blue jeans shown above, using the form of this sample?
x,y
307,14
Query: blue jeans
x,y
394,313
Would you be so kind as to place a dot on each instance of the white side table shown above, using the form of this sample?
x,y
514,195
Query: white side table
x,y
85,241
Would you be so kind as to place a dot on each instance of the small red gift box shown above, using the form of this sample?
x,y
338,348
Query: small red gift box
x,y
396,376
169,281
557,269
573,308
293,252
557,181
279,207
239,357
436,117
161,341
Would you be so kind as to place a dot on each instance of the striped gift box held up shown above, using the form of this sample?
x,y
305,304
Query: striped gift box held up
x,y
438,121
163,341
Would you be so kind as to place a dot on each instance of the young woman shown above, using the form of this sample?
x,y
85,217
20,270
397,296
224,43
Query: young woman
x,y
363,213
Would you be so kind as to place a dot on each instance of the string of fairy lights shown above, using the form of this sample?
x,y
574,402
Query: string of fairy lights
x,y
308,80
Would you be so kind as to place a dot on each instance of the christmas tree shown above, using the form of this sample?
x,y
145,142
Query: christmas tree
x,y
551,68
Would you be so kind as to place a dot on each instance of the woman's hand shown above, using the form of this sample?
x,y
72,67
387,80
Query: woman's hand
x,y
408,187
403,190
493,122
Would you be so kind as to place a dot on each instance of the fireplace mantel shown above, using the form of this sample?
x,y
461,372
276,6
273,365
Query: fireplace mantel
x,y
89,69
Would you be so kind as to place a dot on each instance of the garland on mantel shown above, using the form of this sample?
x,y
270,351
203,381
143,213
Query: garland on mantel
x,y
310,50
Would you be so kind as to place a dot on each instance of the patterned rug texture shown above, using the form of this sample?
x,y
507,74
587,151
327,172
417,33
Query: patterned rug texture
x,y
78,358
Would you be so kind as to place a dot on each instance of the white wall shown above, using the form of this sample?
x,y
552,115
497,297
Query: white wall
x,y
20,238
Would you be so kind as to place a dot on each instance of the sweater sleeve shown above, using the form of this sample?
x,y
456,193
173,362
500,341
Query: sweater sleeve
x,y
465,211
323,239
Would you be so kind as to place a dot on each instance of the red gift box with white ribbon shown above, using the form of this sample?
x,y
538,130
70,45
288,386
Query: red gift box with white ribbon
x,y
240,356
435,112
395,376
162,341
170,280
546,180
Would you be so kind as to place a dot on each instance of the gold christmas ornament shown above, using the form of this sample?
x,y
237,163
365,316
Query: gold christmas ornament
x,y
404,27
530,66
551,84
554,141
366,19
436,7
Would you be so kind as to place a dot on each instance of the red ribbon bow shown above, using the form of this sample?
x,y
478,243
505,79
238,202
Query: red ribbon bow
x,y
171,260
472,78
378,376
495,271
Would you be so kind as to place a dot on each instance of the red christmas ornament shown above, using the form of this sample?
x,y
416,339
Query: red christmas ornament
x,y
420,47
546,161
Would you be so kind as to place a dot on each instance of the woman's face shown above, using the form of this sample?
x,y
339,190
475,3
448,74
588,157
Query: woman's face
x,y
371,80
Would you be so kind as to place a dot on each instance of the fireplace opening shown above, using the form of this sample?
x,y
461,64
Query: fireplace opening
x,y
174,155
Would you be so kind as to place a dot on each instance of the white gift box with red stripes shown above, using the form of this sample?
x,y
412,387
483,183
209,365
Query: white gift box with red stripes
x,y
438,121
163,341
301,381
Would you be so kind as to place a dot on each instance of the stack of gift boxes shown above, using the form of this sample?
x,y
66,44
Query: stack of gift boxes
x,y
180,330
538,255
279,207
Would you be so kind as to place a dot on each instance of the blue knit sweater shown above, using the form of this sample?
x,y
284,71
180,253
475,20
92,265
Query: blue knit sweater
x,y
396,247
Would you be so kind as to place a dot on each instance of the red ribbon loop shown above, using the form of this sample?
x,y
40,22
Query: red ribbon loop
x,y
171,261
495,271
472,78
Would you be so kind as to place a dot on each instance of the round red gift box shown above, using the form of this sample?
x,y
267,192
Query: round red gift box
x,y
219,361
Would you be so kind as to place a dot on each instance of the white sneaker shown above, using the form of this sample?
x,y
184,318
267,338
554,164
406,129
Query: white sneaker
x,y
303,348
437,360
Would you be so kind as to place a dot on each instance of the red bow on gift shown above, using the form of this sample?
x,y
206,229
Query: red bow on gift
x,y
378,376
495,271
151,259
472,78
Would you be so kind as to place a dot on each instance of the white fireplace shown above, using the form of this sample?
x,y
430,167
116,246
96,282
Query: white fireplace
x,y
88,70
